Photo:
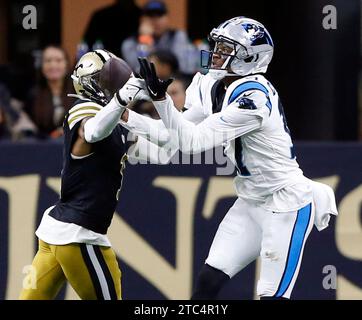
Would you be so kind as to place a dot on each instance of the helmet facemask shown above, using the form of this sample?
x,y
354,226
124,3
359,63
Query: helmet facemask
x,y
224,49
91,87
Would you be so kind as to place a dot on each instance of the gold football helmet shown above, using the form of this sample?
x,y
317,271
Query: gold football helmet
x,y
86,75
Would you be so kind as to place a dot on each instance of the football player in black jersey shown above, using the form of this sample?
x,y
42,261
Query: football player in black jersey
x,y
73,243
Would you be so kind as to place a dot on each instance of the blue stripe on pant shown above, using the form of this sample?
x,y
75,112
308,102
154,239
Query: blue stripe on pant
x,y
295,248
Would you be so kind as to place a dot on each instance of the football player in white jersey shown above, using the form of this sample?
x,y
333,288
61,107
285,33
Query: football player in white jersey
x,y
234,105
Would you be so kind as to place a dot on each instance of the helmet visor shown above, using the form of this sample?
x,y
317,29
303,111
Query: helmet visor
x,y
206,59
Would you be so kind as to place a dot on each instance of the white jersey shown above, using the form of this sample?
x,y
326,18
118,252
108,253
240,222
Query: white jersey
x,y
198,98
252,128
265,158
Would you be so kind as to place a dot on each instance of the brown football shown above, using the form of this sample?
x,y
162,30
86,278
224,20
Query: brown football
x,y
114,75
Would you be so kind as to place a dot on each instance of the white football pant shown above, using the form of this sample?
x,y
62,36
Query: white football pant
x,y
248,231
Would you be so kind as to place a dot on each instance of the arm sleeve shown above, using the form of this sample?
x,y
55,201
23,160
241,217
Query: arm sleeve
x,y
154,130
102,124
150,129
145,151
218,128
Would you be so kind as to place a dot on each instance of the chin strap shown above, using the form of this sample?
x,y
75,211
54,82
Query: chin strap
x,y
220,74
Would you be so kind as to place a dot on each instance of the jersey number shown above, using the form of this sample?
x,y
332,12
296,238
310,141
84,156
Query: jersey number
x,y
123,166
242,169
286,128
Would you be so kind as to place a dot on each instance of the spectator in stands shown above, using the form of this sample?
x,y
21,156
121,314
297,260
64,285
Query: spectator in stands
x,y
177,91
14,122
107,28
4,128
155,33
166,63
49,102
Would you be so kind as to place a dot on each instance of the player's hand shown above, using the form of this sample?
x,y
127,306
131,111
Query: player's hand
x,y
155,86
133,90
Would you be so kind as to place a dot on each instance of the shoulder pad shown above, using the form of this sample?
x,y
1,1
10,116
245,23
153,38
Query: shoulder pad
x,y
80,111
247,86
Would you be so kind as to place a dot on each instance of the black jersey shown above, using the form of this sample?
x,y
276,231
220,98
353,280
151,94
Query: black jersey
x,y
90,185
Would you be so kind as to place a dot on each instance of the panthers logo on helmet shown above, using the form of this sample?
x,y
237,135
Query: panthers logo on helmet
x,y
257,34
254,31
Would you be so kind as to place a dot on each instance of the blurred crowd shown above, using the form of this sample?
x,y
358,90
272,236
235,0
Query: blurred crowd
x,y
39,112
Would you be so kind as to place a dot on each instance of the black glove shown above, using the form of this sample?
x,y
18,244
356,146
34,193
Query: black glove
x,y
155,86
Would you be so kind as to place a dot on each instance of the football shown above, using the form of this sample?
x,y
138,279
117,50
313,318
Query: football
x,y
114,75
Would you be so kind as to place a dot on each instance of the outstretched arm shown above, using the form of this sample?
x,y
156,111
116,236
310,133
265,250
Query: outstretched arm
x,y
145,151
235,120
154,130
150,129
98,122
217,129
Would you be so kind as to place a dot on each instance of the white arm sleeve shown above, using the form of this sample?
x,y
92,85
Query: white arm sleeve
x,y
195,114
154,130
150,129
103,123
218,128
145,151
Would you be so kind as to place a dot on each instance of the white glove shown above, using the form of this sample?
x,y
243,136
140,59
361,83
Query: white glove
x,y
133,90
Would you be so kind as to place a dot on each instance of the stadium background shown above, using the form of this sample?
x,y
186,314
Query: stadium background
x,y
168,215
